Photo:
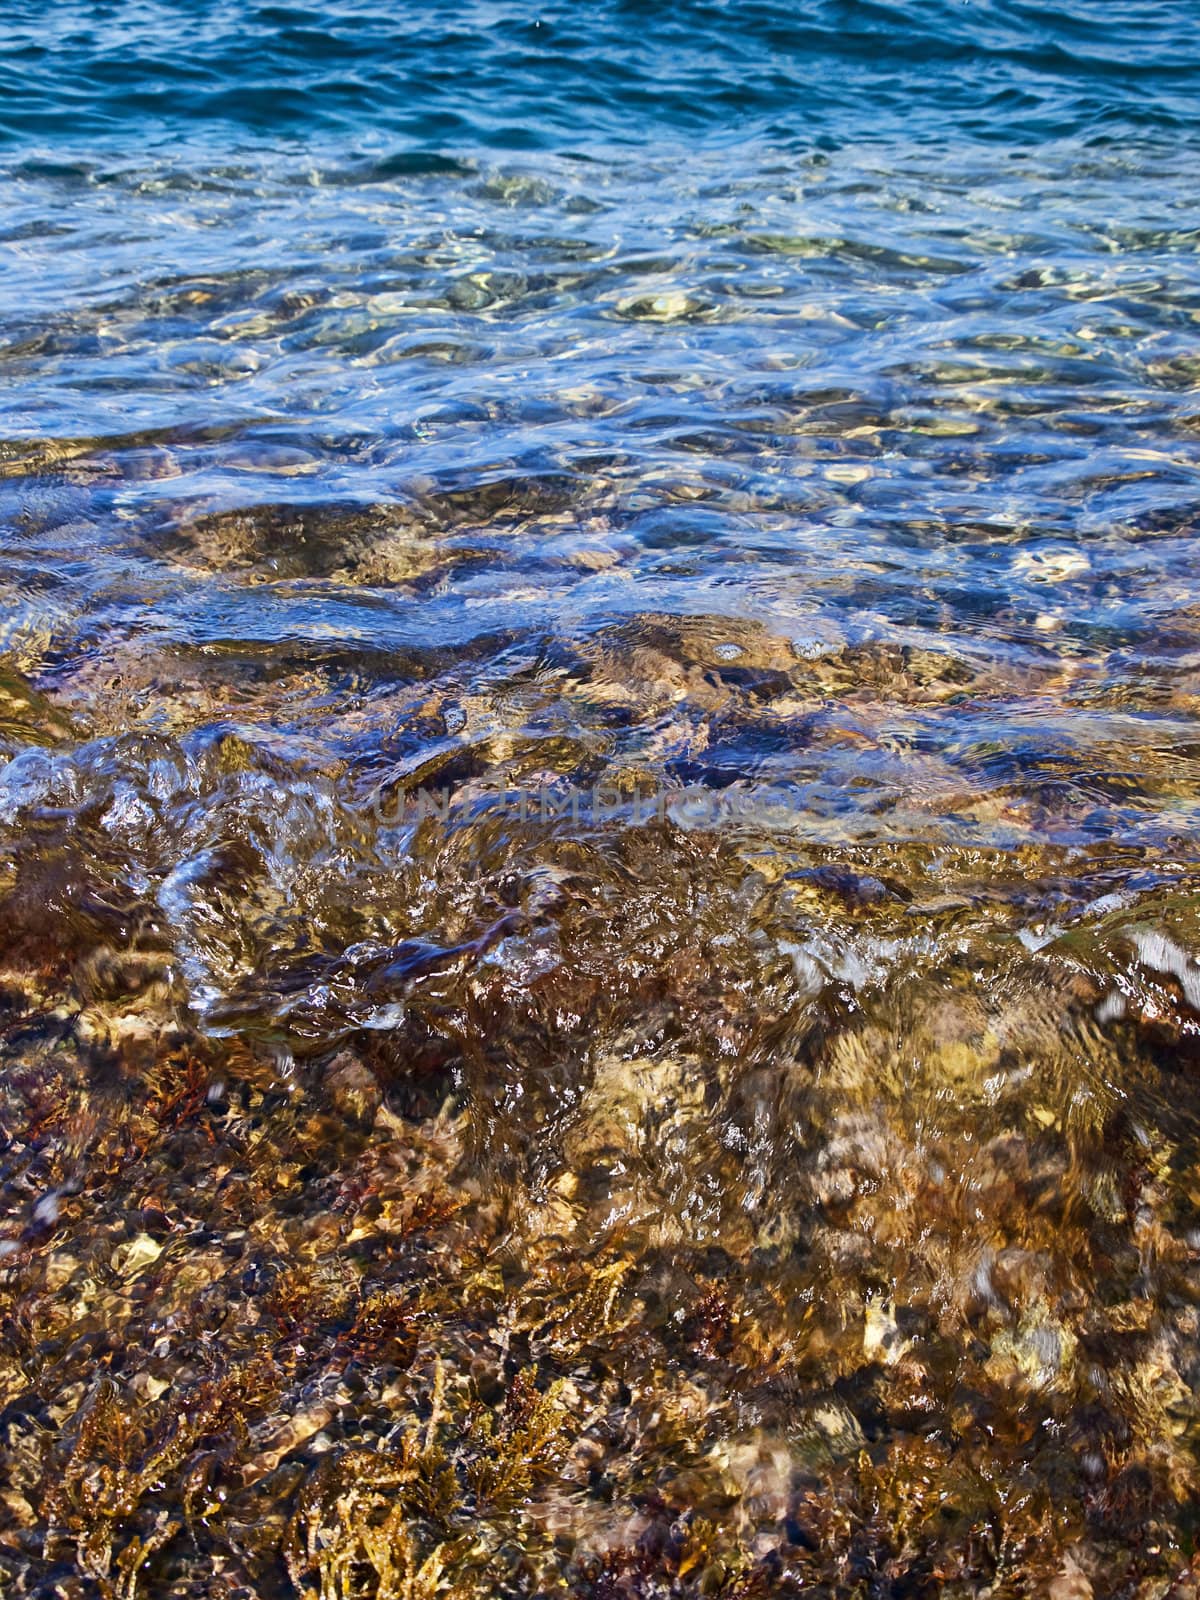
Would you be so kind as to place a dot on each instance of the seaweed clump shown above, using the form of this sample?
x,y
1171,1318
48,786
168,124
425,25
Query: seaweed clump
x,y
614,1211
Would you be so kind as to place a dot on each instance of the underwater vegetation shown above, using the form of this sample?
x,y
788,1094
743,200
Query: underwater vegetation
x,y
709,1211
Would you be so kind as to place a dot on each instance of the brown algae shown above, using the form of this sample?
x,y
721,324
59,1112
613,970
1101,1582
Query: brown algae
x,y
749,1216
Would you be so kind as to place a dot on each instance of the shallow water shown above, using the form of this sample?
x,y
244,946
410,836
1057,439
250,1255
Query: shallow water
x,y
598,671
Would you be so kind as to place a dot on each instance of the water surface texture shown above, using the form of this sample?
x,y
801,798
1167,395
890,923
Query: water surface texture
x,y
599,658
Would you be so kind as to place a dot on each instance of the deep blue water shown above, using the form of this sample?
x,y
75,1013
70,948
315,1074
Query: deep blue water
x,y
564,76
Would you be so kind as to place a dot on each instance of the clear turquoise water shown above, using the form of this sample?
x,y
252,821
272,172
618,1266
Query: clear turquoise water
x,y
384,388
836,318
